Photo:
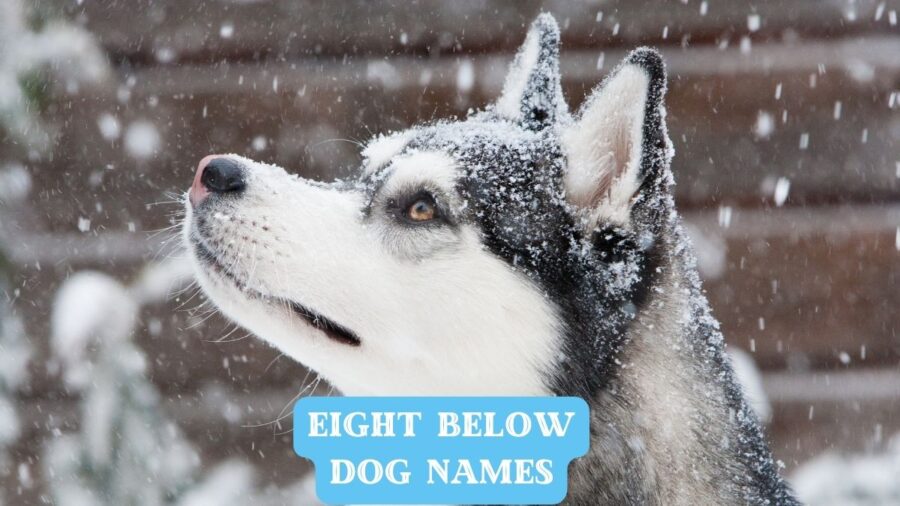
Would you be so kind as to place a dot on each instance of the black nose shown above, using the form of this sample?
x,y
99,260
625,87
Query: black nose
x,y
223,175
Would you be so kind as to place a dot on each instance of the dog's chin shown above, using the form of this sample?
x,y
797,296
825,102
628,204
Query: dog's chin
x,y
228,289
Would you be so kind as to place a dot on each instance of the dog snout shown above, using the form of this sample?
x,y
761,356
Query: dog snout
x,y
216,174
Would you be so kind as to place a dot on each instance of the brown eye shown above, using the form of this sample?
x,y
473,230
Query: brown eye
x,y
421,210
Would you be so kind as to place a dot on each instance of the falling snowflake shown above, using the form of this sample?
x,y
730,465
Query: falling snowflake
x,y
142,139
782,188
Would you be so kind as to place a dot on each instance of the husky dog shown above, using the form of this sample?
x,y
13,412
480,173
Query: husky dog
x,y
521,251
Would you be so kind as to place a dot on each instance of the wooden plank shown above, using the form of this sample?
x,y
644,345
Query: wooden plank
x,y
835,222
836,386
309,121
174,31
799,432
812,301
866,59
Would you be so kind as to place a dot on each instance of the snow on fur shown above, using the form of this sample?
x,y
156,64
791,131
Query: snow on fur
x,y
532,91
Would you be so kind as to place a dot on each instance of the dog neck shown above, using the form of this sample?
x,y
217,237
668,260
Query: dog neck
x,y
670,425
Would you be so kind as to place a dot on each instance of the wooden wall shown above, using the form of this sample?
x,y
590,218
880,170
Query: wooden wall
x,y
805,91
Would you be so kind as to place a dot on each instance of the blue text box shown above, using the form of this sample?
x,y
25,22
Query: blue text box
x,y
441,450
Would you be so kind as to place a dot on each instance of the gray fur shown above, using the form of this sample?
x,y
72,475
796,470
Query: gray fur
x,y
661,382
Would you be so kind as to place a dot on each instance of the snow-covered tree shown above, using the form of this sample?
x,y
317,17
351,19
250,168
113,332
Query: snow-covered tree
x,y
832,479
15,351
127,451
33,50
31,46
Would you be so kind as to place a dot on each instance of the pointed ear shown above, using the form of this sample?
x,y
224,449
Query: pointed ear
x,y
618,144
532,92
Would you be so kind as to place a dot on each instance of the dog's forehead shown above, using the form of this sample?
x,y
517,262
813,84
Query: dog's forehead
x,y
492,160
380,150
475,138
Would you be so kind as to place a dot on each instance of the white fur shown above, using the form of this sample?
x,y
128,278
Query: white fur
x,y
422,169
536,57
603,148
380,151
449,319
509,103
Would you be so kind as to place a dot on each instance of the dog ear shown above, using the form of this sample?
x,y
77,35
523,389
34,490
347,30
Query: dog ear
x,y
618,143
532,93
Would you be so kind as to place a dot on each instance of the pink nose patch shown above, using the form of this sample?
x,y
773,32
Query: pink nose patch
x,y
198,191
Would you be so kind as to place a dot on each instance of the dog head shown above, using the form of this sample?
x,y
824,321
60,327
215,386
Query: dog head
x,y
501,254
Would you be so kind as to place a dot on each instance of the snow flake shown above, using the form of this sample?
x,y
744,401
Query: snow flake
x,y
109,126
24,475
765,125
165,55
753,22
782,188
142,139
259,143
15,182
465,76
725,213
226,31
384,73
860,70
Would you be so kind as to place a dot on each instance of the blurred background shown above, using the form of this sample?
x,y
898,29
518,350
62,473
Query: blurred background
x,y
785,117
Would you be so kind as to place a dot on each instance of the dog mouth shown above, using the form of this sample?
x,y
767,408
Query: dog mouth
x,y
333,330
